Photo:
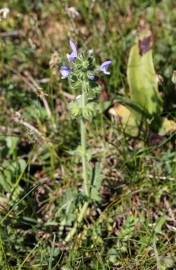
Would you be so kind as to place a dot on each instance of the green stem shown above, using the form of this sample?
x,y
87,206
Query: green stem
x,y
84,170
84,146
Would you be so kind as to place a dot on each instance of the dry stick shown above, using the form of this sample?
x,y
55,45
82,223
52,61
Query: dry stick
x,y
38,91
11,34
8,131
44,80
67,95
161,177
170,211
29,126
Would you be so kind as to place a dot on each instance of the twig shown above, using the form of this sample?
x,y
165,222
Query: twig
x,y
29,126
171,214
33,85
10,34
39,92
161,177
67,95
7,130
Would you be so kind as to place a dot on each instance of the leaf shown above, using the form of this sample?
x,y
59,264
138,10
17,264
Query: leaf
x,y
142,78
66,211
160,222
10,171
96,180
127,118
89,110
145,101
22,164
11,144
75,109
127,228
167,126
3,183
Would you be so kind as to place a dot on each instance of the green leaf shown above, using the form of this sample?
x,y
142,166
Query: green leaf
x,y
90,110
145,102
128,228
142,78
160,222
75,109
167,126
4,184
127,118
96,180
11,144
10,171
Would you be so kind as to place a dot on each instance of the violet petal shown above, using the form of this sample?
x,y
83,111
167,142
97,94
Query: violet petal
x,y
104,66
71,57
65,71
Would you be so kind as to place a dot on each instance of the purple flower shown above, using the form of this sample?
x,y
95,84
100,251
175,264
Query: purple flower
x,y
65,71
104,66
71,57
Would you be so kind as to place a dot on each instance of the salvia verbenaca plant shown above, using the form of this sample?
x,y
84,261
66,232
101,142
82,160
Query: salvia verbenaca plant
x,y
82,73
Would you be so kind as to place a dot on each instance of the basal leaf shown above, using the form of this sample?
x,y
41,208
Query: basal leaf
x,y
96,180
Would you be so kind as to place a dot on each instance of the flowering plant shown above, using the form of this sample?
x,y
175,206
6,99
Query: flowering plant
x,y
66,71
82,73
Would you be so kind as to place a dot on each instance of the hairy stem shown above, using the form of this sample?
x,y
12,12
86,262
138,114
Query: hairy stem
x,y
84,171
83,148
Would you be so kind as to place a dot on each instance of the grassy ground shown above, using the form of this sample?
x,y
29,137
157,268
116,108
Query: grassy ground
x,y
133,225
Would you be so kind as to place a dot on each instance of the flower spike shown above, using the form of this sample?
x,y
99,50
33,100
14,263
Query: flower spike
x,y
104,67
65,71
71,57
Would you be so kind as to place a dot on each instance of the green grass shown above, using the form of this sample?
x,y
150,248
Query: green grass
x,y
133,226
